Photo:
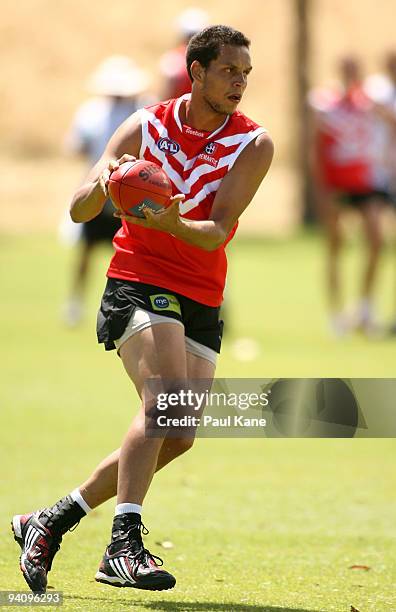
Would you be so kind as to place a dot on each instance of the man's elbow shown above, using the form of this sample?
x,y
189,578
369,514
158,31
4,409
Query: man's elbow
x,y
79,216
75,216
217,241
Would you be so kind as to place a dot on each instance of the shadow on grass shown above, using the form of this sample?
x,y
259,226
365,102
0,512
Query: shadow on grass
x,y
184,606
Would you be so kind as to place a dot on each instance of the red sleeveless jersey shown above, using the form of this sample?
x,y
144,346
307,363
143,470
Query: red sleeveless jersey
x,y
196,162
347,143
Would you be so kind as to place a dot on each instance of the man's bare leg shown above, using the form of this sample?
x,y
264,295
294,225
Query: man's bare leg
x,y
372,226
329,214
155,353
69,509
102,484
371,216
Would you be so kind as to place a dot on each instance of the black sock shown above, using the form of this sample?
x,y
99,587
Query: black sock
x,y
126,527
62,516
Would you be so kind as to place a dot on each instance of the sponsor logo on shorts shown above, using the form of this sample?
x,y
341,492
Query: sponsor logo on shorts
x,y
161,302
168,145
165,301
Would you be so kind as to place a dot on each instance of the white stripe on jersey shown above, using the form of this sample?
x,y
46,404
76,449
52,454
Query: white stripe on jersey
x,y
176,117
185,186
249,137
148,117
213,134
235,139
151,145
177,108
227,160
190,162
208,188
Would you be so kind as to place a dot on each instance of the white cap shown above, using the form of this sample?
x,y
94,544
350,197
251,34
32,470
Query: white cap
x,y
191,21
118,75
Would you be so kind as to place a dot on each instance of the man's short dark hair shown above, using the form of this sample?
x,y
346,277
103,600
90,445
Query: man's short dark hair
x,y
205,46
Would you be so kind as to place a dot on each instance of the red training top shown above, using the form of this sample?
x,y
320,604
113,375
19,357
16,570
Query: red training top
x,y
348,149
196,162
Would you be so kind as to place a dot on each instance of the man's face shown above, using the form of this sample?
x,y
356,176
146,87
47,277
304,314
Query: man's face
x,y
225,79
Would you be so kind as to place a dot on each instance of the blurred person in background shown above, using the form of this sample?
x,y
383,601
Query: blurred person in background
x,y
346,159
117,86
381,88
176,80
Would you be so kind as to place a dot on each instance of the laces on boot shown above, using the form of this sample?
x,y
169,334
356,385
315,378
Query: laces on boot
x,y
63,516
143,555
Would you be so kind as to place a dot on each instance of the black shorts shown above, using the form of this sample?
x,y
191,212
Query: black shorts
x,y
121,297
357,200
103,227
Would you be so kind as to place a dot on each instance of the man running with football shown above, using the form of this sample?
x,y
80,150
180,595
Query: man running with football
x,y
160,308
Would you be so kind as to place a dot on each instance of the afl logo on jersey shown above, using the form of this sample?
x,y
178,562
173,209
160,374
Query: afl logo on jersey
x,y
210,148
168,146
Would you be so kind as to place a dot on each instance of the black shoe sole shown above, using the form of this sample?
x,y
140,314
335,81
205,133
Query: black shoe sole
x,y
165,586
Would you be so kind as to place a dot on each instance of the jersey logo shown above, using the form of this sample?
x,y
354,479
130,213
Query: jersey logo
x,y
191,132
168,145
212,153
210,148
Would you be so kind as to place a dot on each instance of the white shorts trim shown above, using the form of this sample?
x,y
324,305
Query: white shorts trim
x,y
142,319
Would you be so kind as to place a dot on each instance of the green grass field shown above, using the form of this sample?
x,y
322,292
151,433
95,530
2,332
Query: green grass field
x,y
257,525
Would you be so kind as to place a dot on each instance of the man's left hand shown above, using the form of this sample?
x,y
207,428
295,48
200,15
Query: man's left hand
x,y
166,220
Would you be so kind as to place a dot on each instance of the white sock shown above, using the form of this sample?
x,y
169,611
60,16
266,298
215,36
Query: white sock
x,y
124,508
78,498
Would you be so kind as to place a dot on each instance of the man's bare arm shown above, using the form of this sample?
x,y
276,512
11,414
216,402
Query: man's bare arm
x,y
240,185
124,145
235,193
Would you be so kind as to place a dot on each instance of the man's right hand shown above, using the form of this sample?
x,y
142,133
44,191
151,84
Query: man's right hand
x,y
113,164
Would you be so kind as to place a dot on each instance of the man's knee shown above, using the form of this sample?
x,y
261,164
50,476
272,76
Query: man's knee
x,y
180,445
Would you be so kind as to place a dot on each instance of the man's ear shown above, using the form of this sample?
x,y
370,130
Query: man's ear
x,y
197,71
